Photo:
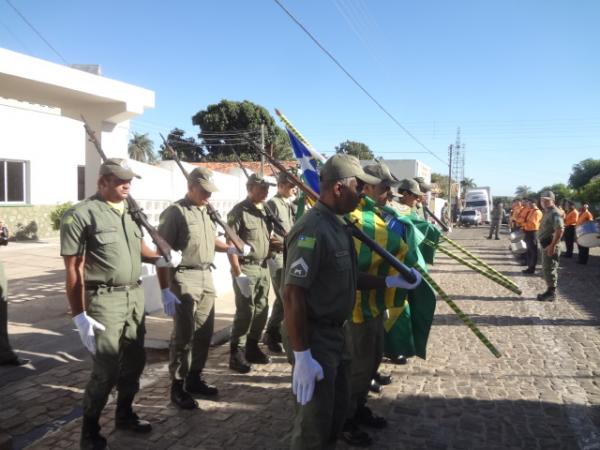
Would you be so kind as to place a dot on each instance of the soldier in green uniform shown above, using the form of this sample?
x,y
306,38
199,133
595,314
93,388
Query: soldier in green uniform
x,y
188,292
320,284
424,188
7,356
283,208
103,250
410,196
549,234
250,276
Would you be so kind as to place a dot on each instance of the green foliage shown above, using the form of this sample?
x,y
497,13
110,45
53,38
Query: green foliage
x,y
561,192
524,191
141,148
27,232
590,193
583,172
225,125
442,183
358,149
187,148
57,213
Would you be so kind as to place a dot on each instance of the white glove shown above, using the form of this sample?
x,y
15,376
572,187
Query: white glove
x,y
174,262
243,283
234,251
169,300
86,325
306,370
396,281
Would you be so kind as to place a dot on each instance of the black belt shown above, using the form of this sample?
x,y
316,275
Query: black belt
x,y
327,323
253,262
204,266
113,287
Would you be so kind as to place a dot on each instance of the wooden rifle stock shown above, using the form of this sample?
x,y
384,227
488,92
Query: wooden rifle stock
x,y
212,212
137,214
406,273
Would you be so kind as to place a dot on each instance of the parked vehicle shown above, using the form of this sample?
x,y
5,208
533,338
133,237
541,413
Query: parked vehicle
x,y
480,199
470,217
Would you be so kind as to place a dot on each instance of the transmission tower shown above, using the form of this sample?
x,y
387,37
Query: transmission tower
x,y
458,160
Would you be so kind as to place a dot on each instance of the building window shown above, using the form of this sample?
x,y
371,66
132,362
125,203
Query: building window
x,y
13,177
80,182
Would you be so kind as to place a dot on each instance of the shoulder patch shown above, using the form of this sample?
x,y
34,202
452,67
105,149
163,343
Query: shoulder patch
x,y
299,268
306,242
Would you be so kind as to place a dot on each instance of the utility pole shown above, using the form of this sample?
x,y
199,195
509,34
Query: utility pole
x,y
262,147
450,148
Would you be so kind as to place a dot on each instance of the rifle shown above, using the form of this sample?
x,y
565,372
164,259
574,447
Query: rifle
x,y
212,212
137,214
271,217
356,232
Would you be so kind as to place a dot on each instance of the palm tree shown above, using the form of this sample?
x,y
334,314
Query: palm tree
x,y
523,191
466,183
141,148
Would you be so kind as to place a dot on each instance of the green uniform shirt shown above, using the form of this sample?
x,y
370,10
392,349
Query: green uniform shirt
x,y
551,221
110,242
250,224
189,229
321,259
283,210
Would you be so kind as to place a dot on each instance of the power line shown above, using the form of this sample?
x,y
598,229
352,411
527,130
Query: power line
x,y
360,86
37,32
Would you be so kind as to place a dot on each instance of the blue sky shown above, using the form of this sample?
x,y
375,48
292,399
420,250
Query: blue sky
x,y
520,78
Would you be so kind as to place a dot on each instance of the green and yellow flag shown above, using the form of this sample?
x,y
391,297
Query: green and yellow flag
x,y
410,312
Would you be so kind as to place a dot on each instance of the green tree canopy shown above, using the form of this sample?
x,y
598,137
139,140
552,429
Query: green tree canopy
x,y
590,193
224,126
358,149
561,192
583,172
442,182
141,148
186,147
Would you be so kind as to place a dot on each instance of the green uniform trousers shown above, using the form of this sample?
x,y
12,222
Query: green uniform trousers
x,y
276,318
318,423
193,322
550,267
251,313
366,348
120,356
6,351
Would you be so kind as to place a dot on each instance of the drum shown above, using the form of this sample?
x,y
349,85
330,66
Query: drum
x,y
517,236
519,247
588,234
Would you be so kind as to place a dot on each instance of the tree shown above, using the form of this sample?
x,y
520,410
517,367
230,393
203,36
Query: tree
x,y
583,172
523,191
442,183
187,148
141,148
466,183
358,149
561,192
590,193
226,125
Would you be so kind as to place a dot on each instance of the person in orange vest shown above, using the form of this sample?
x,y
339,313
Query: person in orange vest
x,y
520,221
584,216
530,226
517,206
570,222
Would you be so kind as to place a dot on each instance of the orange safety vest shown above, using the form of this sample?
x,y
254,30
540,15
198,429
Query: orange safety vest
x,y
514,213
532,220
585,217
522,215
571,218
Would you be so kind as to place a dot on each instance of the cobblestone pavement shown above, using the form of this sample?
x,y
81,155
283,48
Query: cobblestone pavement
x,y
544,392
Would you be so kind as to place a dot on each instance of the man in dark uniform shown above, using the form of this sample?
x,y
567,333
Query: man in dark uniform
x,y
103,250
550,232
320,284
188,292
283,208
496,220
7,356
250,276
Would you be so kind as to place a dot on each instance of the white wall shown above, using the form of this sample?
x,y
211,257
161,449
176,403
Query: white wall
x,y
52,145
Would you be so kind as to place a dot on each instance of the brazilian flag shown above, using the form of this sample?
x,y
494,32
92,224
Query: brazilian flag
x,y
410,311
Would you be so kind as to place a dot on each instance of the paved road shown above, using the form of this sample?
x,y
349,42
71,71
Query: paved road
x,y
544,392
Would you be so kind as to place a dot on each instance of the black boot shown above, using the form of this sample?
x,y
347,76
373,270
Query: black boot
x,y
364,416
126,419
237,360
548,296
195,384
254,354
180,397
272,341
354,436
91,439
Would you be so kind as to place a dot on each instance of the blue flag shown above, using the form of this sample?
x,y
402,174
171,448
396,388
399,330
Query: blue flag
x,y
307,160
